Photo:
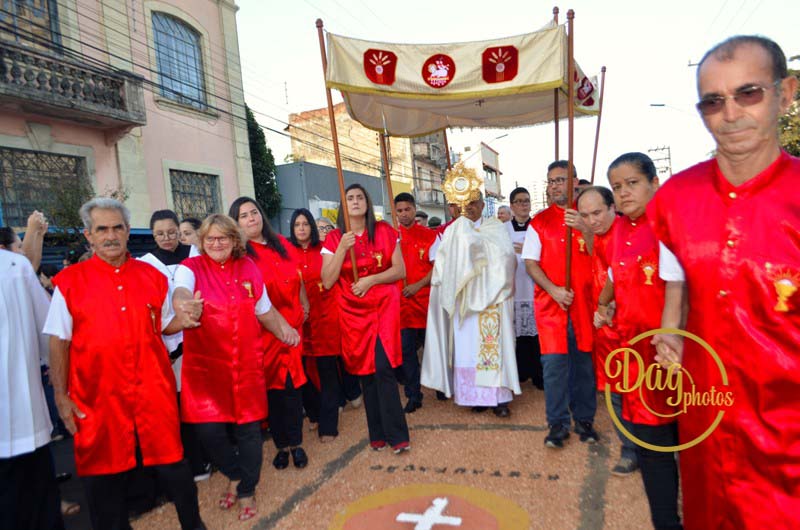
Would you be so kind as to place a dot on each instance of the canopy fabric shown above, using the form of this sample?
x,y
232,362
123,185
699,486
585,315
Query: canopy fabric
x,y
416,89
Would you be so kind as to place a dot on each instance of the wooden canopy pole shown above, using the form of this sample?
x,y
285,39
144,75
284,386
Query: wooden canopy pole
x,y
599,117
335,139
383,139
447,150
571,123
555,95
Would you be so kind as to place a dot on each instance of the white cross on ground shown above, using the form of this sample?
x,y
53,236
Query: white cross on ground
x,y
432,516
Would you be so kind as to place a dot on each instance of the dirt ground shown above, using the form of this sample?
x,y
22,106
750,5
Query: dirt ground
x,y
491,473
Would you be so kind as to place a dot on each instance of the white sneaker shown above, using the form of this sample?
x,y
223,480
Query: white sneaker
x,y
356,402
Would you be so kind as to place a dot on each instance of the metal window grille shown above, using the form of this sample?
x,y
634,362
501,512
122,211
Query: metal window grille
x,y
33,180
194,194
179,61
21,18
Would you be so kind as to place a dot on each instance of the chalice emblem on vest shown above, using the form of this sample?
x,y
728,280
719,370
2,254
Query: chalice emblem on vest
x,y
249,286
581,245
379,258
785,284
319,285
421,253
649,269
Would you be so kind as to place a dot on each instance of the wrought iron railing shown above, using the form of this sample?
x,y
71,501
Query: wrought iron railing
x,y
36,76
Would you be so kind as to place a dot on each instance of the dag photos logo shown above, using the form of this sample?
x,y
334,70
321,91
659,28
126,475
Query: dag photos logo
x,y
675,382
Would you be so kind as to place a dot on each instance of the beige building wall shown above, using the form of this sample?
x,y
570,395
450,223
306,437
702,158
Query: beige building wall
x,y
359,146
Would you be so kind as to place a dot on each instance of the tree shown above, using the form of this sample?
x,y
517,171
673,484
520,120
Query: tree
x,y
263,167
789,124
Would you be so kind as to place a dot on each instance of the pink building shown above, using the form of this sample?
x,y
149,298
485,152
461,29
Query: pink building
x,y
140,97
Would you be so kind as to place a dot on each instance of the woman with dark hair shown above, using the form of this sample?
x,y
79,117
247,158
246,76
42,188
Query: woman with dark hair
x,y
321,339
635,284
370,313
9,240
223,377
188,231
283,364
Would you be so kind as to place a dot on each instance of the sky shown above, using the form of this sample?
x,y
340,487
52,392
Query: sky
x,y
646,46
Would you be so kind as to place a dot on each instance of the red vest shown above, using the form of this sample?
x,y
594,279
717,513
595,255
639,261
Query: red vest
x,y
551,320
415,243
639,293
321,335
222,378
119,371
606,338
740,249
282,280
377,314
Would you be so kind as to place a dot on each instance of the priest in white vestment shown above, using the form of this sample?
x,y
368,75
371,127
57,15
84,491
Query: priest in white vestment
x,y
470,338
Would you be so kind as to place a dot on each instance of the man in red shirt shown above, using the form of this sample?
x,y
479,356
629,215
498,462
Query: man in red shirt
x,y
112,377
730,229
563,316
415,241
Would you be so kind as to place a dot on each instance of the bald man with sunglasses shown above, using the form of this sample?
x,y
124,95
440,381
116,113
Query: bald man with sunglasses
x,y
730,234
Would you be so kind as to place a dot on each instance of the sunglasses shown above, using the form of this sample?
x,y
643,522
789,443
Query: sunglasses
x,y
745,96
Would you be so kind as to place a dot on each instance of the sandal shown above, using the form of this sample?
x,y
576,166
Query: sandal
x,y
227,501
70,508
247,512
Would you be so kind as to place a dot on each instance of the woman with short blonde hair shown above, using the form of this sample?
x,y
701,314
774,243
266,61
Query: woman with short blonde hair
x,y
228,227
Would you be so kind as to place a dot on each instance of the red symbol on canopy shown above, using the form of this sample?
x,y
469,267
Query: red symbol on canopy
x,y
438,70
500,64
379,65
584,90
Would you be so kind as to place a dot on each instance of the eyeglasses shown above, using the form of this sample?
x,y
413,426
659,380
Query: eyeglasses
x,y
325,228
172,234
222,240
557,180
522,202
745,96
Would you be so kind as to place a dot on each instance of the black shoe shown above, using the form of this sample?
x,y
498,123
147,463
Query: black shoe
x,y
478,410
586,431
63,477
281,459
299,457
556,436
440,396
412,405
502,411
538,384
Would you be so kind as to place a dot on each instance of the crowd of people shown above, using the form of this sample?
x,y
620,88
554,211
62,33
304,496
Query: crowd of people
x,y
176,361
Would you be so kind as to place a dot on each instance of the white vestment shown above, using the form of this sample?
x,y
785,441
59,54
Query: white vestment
x,y
24,419
470,339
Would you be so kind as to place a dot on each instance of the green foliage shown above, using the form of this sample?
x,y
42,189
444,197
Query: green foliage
x,y
789,124
64,207
263,167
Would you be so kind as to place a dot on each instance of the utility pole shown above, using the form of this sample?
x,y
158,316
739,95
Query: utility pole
x,y
664,162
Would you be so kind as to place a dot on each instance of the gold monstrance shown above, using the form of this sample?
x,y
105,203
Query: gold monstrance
x,y
462,185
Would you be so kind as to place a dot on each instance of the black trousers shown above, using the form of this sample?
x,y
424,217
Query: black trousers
x,y
241,461
386,420
412,339
322,406
351,388
660,474
286,415
192,448
529,360
29,496
106,495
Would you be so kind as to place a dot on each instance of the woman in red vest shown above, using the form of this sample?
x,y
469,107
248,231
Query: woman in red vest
x,y
283,365
634,283
321,338
222,377
370,313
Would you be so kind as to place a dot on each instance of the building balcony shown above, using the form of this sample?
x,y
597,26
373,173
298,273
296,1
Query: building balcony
x,y
429,198
40,83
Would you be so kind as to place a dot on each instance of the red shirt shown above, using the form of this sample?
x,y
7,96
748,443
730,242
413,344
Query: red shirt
x,y
119,371
376,314
739,247
415,242
606,338
222,377
282,280
321,335
551,320
639,293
